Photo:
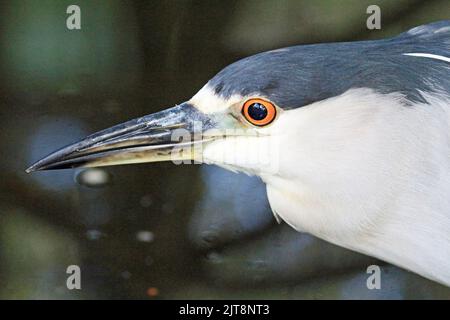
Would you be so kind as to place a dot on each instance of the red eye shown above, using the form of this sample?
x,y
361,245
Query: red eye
x,y
259,112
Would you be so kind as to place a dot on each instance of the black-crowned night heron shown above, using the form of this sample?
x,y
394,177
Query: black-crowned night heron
x,y
351,139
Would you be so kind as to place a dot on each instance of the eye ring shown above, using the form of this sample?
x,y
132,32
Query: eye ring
x,y
259,112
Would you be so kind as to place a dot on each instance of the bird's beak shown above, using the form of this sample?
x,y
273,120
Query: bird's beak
x,y
148,139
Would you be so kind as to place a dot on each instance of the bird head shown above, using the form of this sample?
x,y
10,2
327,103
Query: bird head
x,y
285,112
234,121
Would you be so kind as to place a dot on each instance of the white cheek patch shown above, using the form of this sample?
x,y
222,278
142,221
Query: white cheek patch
x,y
207,101
249,154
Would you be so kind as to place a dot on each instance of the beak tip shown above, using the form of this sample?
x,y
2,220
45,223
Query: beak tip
x,y
38,166
46,163
32,168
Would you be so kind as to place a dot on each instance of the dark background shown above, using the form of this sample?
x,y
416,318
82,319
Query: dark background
x,y
160,231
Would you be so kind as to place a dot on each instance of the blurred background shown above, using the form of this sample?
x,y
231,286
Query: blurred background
x,y
161,231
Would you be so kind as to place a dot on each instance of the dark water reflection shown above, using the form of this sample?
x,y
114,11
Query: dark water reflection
x,y
156,230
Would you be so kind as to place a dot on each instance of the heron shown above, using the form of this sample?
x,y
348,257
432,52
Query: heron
x,y
352,140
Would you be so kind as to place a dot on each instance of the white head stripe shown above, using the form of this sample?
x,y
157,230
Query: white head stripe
x,y
207,101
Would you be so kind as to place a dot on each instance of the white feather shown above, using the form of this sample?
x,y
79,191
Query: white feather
x,y
368,173
428,55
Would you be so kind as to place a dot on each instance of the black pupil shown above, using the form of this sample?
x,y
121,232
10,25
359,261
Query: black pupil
x,y
257,111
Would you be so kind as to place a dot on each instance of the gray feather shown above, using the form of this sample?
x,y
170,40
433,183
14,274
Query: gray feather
x,y
299,75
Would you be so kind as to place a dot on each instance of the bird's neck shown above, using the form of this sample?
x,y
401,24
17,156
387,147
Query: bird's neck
x,y
411,234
